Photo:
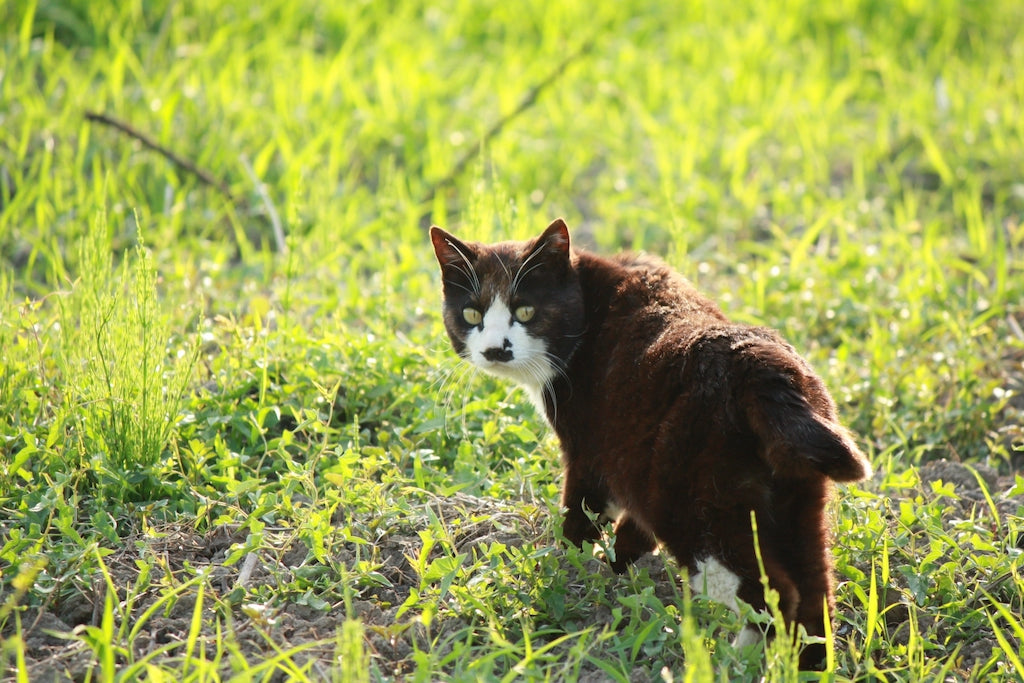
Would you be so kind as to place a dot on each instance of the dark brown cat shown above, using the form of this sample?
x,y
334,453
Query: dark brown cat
x,y
673,421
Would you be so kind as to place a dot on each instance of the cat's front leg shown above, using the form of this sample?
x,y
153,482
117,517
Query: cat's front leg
x,y
578,526
582,500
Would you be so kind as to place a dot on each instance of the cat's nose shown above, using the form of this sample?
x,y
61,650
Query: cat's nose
x,y
499,355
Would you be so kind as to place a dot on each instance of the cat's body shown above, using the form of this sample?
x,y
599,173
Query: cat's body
x,y
666,411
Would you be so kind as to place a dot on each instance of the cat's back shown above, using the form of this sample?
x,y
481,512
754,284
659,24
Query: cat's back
x,y
660,329
644,297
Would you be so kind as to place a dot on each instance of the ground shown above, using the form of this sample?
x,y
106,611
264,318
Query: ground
x,y
390,637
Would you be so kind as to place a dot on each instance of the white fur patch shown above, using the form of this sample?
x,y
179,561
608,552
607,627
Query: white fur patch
x,y
714,579
612,511
748,636
529,365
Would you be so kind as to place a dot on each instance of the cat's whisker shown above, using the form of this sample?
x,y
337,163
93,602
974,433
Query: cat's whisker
x,y
467,378
444,393
454,379
508,273
462,286
469,271
520,274
547,363
554,404
538,369
446,379
558,365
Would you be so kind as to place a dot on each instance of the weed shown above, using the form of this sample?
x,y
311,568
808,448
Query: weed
x,y
123,386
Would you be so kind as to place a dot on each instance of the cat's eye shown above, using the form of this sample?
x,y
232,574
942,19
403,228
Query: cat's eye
x,y
472,316
524,313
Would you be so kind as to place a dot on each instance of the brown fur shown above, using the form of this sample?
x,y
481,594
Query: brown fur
x,y
684,420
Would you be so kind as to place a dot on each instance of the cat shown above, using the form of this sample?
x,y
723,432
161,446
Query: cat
x,y
674,423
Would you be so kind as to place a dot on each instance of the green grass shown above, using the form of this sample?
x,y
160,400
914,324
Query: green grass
x,y
224,457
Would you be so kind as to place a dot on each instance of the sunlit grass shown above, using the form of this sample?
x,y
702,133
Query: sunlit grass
x,y
847,174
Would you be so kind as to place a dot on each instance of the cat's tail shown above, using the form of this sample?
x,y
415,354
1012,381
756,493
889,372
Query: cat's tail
x,y
794,418
795,441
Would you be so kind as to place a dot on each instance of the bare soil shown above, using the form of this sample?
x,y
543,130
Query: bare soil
x,y
163,605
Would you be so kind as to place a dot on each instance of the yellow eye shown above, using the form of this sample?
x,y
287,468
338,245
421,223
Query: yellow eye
x,y
524,313
471,315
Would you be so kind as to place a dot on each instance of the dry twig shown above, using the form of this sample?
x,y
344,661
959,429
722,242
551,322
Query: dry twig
x,y
147,141
528,101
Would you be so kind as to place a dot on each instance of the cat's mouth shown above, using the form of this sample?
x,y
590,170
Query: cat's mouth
x,y
498,355
503,363
499,364
524,361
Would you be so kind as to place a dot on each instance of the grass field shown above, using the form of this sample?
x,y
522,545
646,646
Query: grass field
x,y
234,442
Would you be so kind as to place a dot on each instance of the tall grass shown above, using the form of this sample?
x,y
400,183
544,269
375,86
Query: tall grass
x,y
123,372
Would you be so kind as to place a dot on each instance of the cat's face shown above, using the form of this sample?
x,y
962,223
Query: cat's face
x,y
513,309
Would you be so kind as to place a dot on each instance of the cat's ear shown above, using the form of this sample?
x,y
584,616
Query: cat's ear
x,y
554,241
449,250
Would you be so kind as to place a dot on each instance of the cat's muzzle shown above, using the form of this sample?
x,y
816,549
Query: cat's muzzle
x,y
496,355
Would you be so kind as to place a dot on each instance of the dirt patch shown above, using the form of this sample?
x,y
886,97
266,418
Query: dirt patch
x,y
157,580
160,581
968,480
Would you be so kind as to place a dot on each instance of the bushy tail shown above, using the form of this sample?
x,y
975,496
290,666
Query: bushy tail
x,y
797,437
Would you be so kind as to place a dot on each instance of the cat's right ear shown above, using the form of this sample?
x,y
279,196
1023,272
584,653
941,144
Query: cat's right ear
x,y
555,238
552,245
449,250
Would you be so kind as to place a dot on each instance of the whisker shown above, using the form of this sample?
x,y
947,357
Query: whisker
x,y
517,280
462,287
508,273
557,365
546,393
447,380
539,369
521,275
471,274
455,379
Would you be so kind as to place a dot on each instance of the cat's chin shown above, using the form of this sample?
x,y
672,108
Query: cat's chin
x,y
533,379
527,375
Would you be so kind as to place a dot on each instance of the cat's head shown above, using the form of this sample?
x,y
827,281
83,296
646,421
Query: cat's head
x,y
513,309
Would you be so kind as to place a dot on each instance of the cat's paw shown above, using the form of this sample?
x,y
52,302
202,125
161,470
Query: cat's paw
x,y
622,561
577,529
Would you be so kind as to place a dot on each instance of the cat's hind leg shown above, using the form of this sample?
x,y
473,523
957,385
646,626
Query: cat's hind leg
x,y
721,584
740,580
809,560
751,589
801,602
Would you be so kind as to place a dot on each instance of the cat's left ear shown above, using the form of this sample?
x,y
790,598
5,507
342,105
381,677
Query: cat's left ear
x,y
554,240
449,250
